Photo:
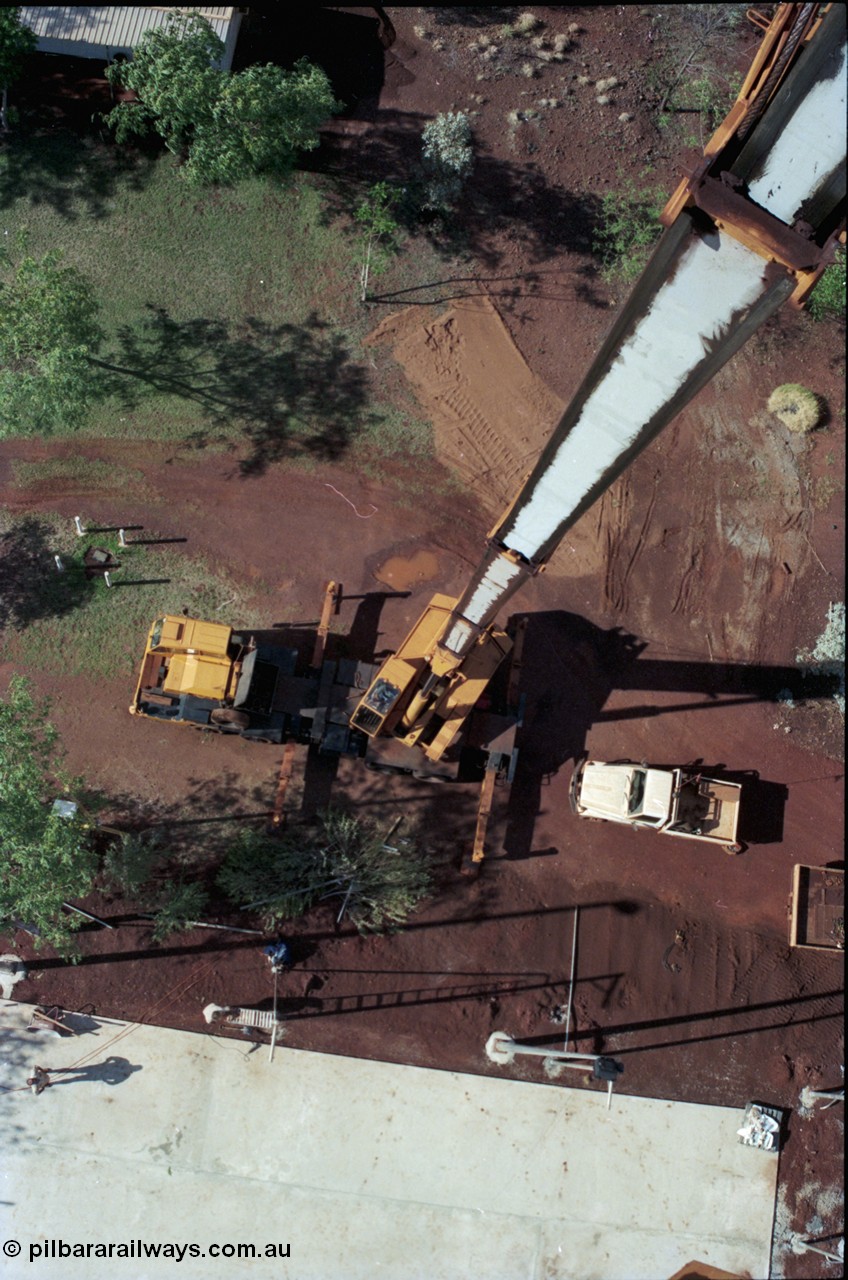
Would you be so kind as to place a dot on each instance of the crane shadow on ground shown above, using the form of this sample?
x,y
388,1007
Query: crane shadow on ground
x,y
569,672
733,1021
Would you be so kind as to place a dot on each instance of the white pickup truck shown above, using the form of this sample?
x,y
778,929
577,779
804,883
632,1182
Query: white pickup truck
x,y
677,802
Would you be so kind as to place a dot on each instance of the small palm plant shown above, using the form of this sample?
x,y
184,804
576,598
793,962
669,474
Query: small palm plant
x,y
340,857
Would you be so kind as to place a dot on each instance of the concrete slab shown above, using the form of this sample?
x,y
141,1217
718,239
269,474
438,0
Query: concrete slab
x,y
353,1168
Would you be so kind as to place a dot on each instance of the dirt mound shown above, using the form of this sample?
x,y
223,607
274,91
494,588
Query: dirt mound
x,y
490,412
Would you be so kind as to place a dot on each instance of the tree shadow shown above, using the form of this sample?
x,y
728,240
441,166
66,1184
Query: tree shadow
x,y
56,155
499,198
349,47
291,390
200,825
31,587
473,16
15,1067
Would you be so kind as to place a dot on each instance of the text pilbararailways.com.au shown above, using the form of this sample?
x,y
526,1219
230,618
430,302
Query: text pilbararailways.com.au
x,y
170,1250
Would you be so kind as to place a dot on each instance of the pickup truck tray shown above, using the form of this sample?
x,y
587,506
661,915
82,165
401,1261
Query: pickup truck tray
x,y
818,908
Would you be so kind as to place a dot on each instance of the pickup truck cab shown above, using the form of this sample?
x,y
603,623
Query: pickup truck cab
x,y
676,802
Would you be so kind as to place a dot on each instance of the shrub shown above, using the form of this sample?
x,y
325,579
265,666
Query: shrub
x,y
526,22
628,230
828,653
181,905
379,231
827,301
340,857
448,158
797,407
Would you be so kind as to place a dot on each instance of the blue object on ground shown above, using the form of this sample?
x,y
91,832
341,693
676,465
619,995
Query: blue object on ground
x,y
279,954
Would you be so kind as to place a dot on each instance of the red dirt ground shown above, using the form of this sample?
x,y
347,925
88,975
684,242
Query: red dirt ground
x,y
719,550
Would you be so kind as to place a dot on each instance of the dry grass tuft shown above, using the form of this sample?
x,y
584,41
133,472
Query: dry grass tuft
x,y
798,408
526,22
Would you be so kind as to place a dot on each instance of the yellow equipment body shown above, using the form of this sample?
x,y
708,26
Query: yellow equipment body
x,y
186,656
431,713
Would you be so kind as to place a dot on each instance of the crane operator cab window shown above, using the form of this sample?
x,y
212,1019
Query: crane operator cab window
x,y
375,706
382,697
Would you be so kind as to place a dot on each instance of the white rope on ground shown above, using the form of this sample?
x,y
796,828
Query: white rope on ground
x,y
372,512
169,997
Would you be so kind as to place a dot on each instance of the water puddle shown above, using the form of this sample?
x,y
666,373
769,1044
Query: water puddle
x,y
403,572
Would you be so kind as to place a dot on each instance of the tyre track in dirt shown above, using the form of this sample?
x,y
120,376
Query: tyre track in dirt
x,y
688,601
756,546
490,413
480,452
715,991
720,554
623,548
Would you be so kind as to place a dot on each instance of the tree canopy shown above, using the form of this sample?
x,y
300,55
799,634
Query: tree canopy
x,y
45,858
16,42
49,330
225,126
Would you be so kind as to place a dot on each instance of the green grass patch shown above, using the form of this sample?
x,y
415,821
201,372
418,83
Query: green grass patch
x,y
254,250
827,301
232,316
222,307
78,471
393,433
59,621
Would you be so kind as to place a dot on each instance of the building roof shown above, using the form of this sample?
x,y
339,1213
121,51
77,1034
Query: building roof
x,y
94,31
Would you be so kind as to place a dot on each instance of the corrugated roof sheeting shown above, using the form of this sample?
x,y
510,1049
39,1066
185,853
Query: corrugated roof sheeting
x,y
95,31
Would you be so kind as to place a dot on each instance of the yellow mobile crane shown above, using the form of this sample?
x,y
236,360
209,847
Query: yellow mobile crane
x,y
752,227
